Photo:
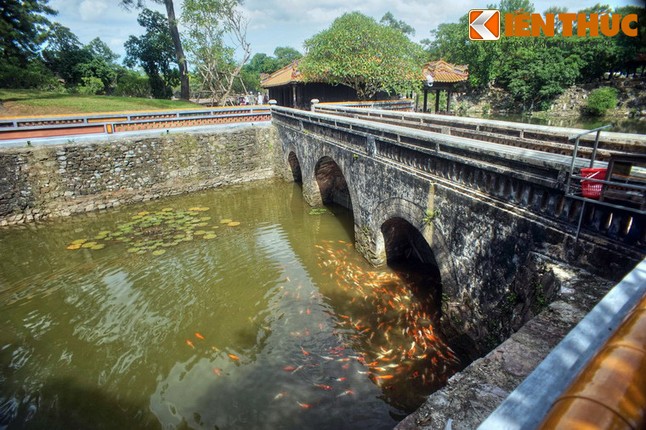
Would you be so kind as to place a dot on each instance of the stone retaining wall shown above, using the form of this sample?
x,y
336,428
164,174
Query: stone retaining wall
x,y
51,181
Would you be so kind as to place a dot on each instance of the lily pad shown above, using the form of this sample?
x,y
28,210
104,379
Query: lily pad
x,y
74,246
79,241
210,236
88,244
133,250
234,223
159,252
97,247
202,224
200,233
226,221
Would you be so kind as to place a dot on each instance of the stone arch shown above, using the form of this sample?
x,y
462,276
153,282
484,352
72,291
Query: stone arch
x,y
295,167
408,252
332,183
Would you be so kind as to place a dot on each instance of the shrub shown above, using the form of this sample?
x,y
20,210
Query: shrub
x,y
33,75
600,100
91,86
132,84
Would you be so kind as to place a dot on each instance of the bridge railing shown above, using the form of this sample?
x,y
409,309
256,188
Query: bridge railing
x,y
532,180
406,105
70,125
531,136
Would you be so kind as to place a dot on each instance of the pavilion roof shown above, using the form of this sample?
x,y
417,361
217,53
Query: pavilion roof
x,y
287,75
443,72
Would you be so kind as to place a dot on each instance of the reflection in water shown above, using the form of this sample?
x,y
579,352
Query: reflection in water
x,y
275,323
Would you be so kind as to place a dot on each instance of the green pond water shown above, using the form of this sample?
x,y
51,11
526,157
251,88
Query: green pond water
x,y
169,314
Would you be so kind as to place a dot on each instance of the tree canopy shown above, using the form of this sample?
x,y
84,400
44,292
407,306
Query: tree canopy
x,y
23,28
536,69
154,52
367,56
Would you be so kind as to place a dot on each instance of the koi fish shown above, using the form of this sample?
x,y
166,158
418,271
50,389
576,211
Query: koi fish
x,y
234,357
217,371
323,387
199,336
304,352
189,343
345,393
384,376
308,311
341,379
304,405
280,395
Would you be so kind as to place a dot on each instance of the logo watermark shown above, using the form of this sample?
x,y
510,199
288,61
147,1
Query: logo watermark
x,y
484,24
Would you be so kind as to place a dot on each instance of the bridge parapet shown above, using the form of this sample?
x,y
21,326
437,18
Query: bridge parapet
x,y
528,179
531,136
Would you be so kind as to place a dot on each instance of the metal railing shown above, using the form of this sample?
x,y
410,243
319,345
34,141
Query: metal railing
x,y
574,192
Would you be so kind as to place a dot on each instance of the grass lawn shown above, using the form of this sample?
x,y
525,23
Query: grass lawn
x,y
36,103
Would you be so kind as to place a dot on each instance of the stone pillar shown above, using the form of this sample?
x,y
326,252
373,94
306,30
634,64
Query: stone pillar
x,y
311,192
370,244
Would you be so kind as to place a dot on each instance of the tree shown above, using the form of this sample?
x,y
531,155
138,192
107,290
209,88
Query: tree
x,y
283,56
154,52
23,28
389,20
208,22
369,57
174,35
63,53
101,65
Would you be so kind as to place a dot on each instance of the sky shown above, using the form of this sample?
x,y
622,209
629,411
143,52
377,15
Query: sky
x,y
274,23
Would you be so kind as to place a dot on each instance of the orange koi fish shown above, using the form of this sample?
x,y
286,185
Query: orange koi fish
x,y
323,387
304,352
289,368
345,393
189,343
199,336
234,357
217,371
384,376
304,405
341,379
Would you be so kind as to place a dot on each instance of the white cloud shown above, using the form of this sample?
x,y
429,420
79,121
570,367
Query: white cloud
x,y
90,10
275,23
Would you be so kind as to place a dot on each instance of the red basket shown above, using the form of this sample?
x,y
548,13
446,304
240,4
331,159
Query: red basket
x,y
589,189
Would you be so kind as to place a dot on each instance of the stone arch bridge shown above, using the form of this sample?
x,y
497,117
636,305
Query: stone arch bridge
x,y
483,215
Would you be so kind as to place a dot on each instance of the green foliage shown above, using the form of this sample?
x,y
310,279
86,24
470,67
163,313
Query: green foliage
x,y
537,69
210,24
23,29
369,57
264,64
132,84
155,53
32,75
600,100
389,20
91,86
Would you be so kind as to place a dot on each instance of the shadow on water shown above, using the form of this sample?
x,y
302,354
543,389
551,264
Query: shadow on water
x,y
64,404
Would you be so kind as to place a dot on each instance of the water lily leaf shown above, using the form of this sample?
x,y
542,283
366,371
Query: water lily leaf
x,y
133,250
79,241
159,252
202,224
74,246
88,244
205,218
200,233
225,221
234,223
210,236
97,247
